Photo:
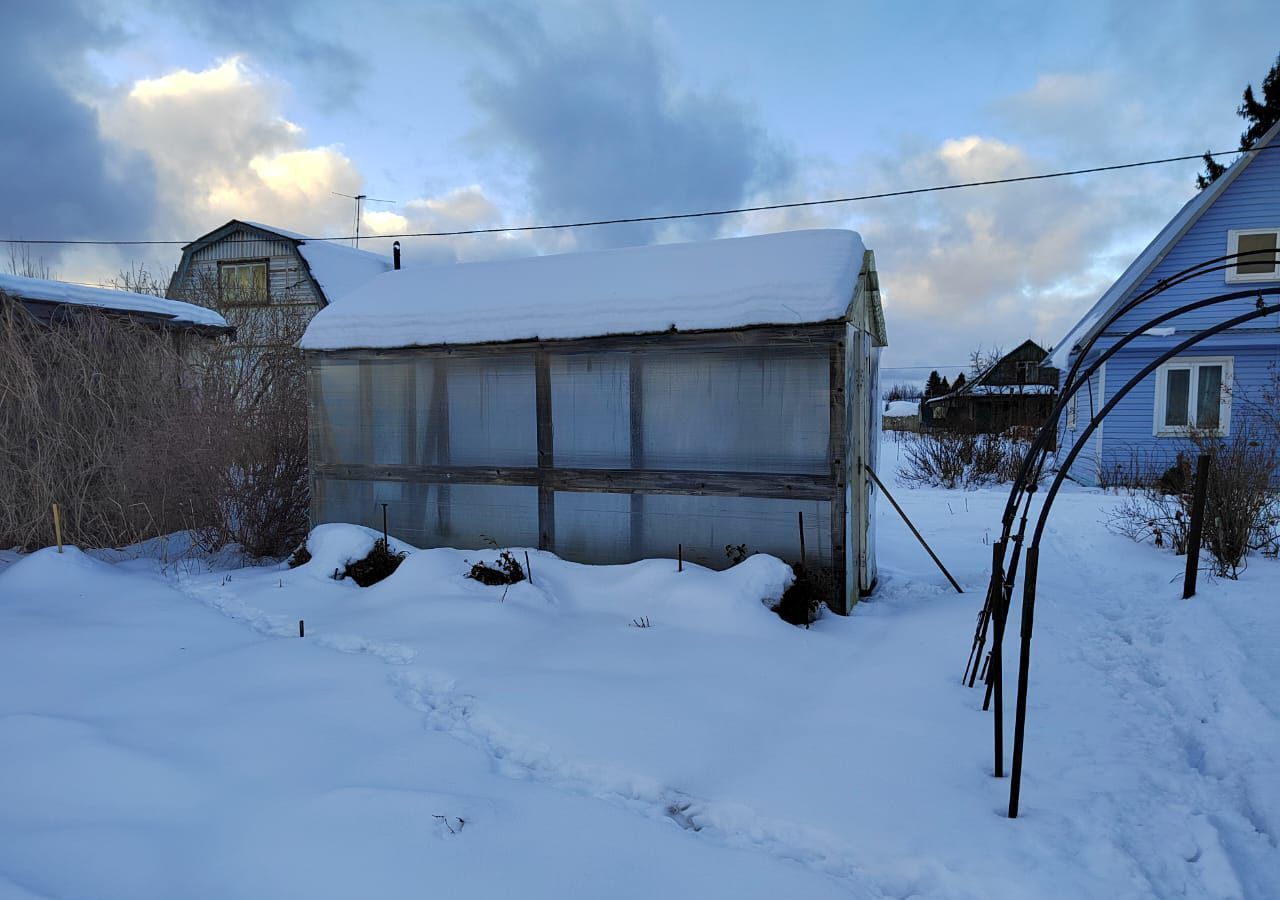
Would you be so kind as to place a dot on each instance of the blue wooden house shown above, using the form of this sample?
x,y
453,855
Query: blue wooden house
x,y
1212,386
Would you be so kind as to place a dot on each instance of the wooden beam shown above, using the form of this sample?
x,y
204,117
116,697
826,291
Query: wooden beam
x,y
763,337
635,404
546,451
777,486
837,455
438,417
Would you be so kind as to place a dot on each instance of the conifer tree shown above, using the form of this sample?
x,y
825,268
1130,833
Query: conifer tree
x,y
959,382
1259,114
933,386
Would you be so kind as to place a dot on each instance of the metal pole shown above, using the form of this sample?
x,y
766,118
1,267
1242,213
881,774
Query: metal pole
x,y
923,543
1020,719
980,636
1197,526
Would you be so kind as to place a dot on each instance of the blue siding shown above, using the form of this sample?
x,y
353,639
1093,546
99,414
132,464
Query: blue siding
x,y
1129,439
1252,200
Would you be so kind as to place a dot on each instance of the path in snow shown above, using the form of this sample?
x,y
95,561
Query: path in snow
x,y
517,756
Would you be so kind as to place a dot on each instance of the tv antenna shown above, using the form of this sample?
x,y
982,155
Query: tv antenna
x,y
360,199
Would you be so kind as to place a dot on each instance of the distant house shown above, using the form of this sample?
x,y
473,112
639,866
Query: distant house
x,y
1017,390
249,266
614,405
53,302
902,415
1211,386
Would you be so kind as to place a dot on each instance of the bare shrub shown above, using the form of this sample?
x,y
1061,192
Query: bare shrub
x,y
258,385
137,431
101,415
957,459
1241,509
902,390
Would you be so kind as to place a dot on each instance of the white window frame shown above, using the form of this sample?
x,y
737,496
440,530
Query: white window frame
x,y
1193,363
1233,246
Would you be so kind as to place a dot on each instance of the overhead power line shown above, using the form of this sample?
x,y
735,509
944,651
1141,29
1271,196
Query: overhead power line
x,y
670,217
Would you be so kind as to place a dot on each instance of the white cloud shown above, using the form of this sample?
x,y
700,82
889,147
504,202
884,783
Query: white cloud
x,y
232,73
221,148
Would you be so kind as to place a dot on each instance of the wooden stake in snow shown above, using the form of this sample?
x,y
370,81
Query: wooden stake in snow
x,y
800,514
1201,492
679,557
528,569
57,525
302,630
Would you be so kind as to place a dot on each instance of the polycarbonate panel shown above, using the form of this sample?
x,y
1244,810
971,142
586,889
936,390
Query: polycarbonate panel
x,y
336,411
391,411
594,527
492,409
706,525
434,515
597,528
590,410
737,410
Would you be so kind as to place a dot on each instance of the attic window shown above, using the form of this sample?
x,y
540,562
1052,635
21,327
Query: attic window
x,y
243,283
1262,263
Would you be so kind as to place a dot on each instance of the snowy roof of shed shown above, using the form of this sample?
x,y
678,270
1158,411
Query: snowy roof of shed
x,y
62,292
792,277
1149,258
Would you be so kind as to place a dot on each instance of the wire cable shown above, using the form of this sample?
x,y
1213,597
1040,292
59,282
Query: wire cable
x,y
627,220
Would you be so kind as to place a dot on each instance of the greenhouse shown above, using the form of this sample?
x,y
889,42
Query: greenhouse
x,y
692,401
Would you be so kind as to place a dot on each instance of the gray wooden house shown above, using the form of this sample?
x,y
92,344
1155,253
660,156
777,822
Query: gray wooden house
x,y
252,266
611,406
1018,390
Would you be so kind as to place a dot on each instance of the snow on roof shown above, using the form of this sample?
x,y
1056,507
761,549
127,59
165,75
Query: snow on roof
x,y
108,298
337,268
902,408
1149,258
790,277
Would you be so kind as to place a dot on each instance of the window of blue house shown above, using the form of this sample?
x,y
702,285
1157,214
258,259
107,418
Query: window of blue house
x,y
1193,393
1261,254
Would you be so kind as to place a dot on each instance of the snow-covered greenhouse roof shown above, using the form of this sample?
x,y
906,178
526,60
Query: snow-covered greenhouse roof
x,y
793,277
41,290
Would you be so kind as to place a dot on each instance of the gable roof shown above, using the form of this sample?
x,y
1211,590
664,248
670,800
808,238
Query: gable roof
x,y
978,384
1148,259
787,278
143,306
334,268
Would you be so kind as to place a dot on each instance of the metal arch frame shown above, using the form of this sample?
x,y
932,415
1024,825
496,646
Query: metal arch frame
x,y
1037,453
1033,551
996,605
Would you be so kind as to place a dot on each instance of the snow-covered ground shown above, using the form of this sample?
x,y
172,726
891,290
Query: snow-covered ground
x,y
164,732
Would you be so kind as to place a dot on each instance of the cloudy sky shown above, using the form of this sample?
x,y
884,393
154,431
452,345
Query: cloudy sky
x,y
161,119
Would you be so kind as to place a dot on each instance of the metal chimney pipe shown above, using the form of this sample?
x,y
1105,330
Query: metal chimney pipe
x,y
395,254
